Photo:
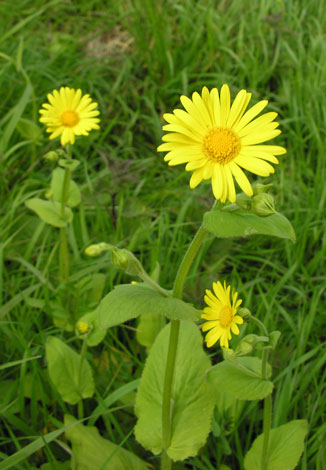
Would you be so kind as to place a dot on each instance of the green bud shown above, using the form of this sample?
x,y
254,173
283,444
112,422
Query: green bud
x,y
263,205
120,258
97,249
244,201
259,188
247,344
125,260
244,313
244,348
49,193
51,156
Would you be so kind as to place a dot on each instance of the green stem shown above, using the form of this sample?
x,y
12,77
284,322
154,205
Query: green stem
x,y
145,277
82,357
167,410
267,418
80,407
260,325
187,261
64,254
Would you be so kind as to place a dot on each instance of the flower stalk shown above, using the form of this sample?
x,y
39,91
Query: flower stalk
x,y
64,254
167,409
267,417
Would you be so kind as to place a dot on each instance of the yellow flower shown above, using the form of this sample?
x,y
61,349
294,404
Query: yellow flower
x,y
216,139
83,327
68,114
221,315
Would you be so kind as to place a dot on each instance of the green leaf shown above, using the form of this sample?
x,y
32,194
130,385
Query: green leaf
x,y
274,336
148,328
128,301
71,164
29,129
72,381
15,114
74,196
240,223
233,378
57,465
50,212
8,397
286,445
192,397
91,451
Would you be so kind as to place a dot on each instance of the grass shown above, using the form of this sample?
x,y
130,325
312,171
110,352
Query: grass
x,y
136,58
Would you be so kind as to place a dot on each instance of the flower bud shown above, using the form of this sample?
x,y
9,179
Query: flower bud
x,y
259,188
244,201
83,327
244,348
97,249
51,156
125,260
244,313
246,345
263,205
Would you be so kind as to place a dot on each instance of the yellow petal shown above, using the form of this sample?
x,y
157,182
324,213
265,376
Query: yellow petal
x,y
216,107
220,293
196,178
225,104
255,165
231,188
241,178
195,164
199,112
244,107
202,110
273,149
263,120
208,325
217,181
193,135
257,137
236,108
191,122
250,114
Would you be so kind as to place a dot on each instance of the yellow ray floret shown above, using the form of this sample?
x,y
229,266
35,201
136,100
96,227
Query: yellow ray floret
x,y
217,141
68,114
220,314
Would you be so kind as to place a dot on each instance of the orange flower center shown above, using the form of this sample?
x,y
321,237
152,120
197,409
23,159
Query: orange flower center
x,y
226,317
69,118
221,145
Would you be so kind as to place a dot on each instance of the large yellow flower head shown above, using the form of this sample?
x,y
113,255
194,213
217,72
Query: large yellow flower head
x,y
216,140
221,315
68,114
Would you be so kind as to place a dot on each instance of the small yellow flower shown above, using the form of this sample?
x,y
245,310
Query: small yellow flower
x,y
68,114
221,315
83,327
217,140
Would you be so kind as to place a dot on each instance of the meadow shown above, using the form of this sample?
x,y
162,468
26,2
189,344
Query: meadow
x,y
136,58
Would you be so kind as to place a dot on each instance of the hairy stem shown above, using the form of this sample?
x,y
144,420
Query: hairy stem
x,y
64,254
267,419
167,406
